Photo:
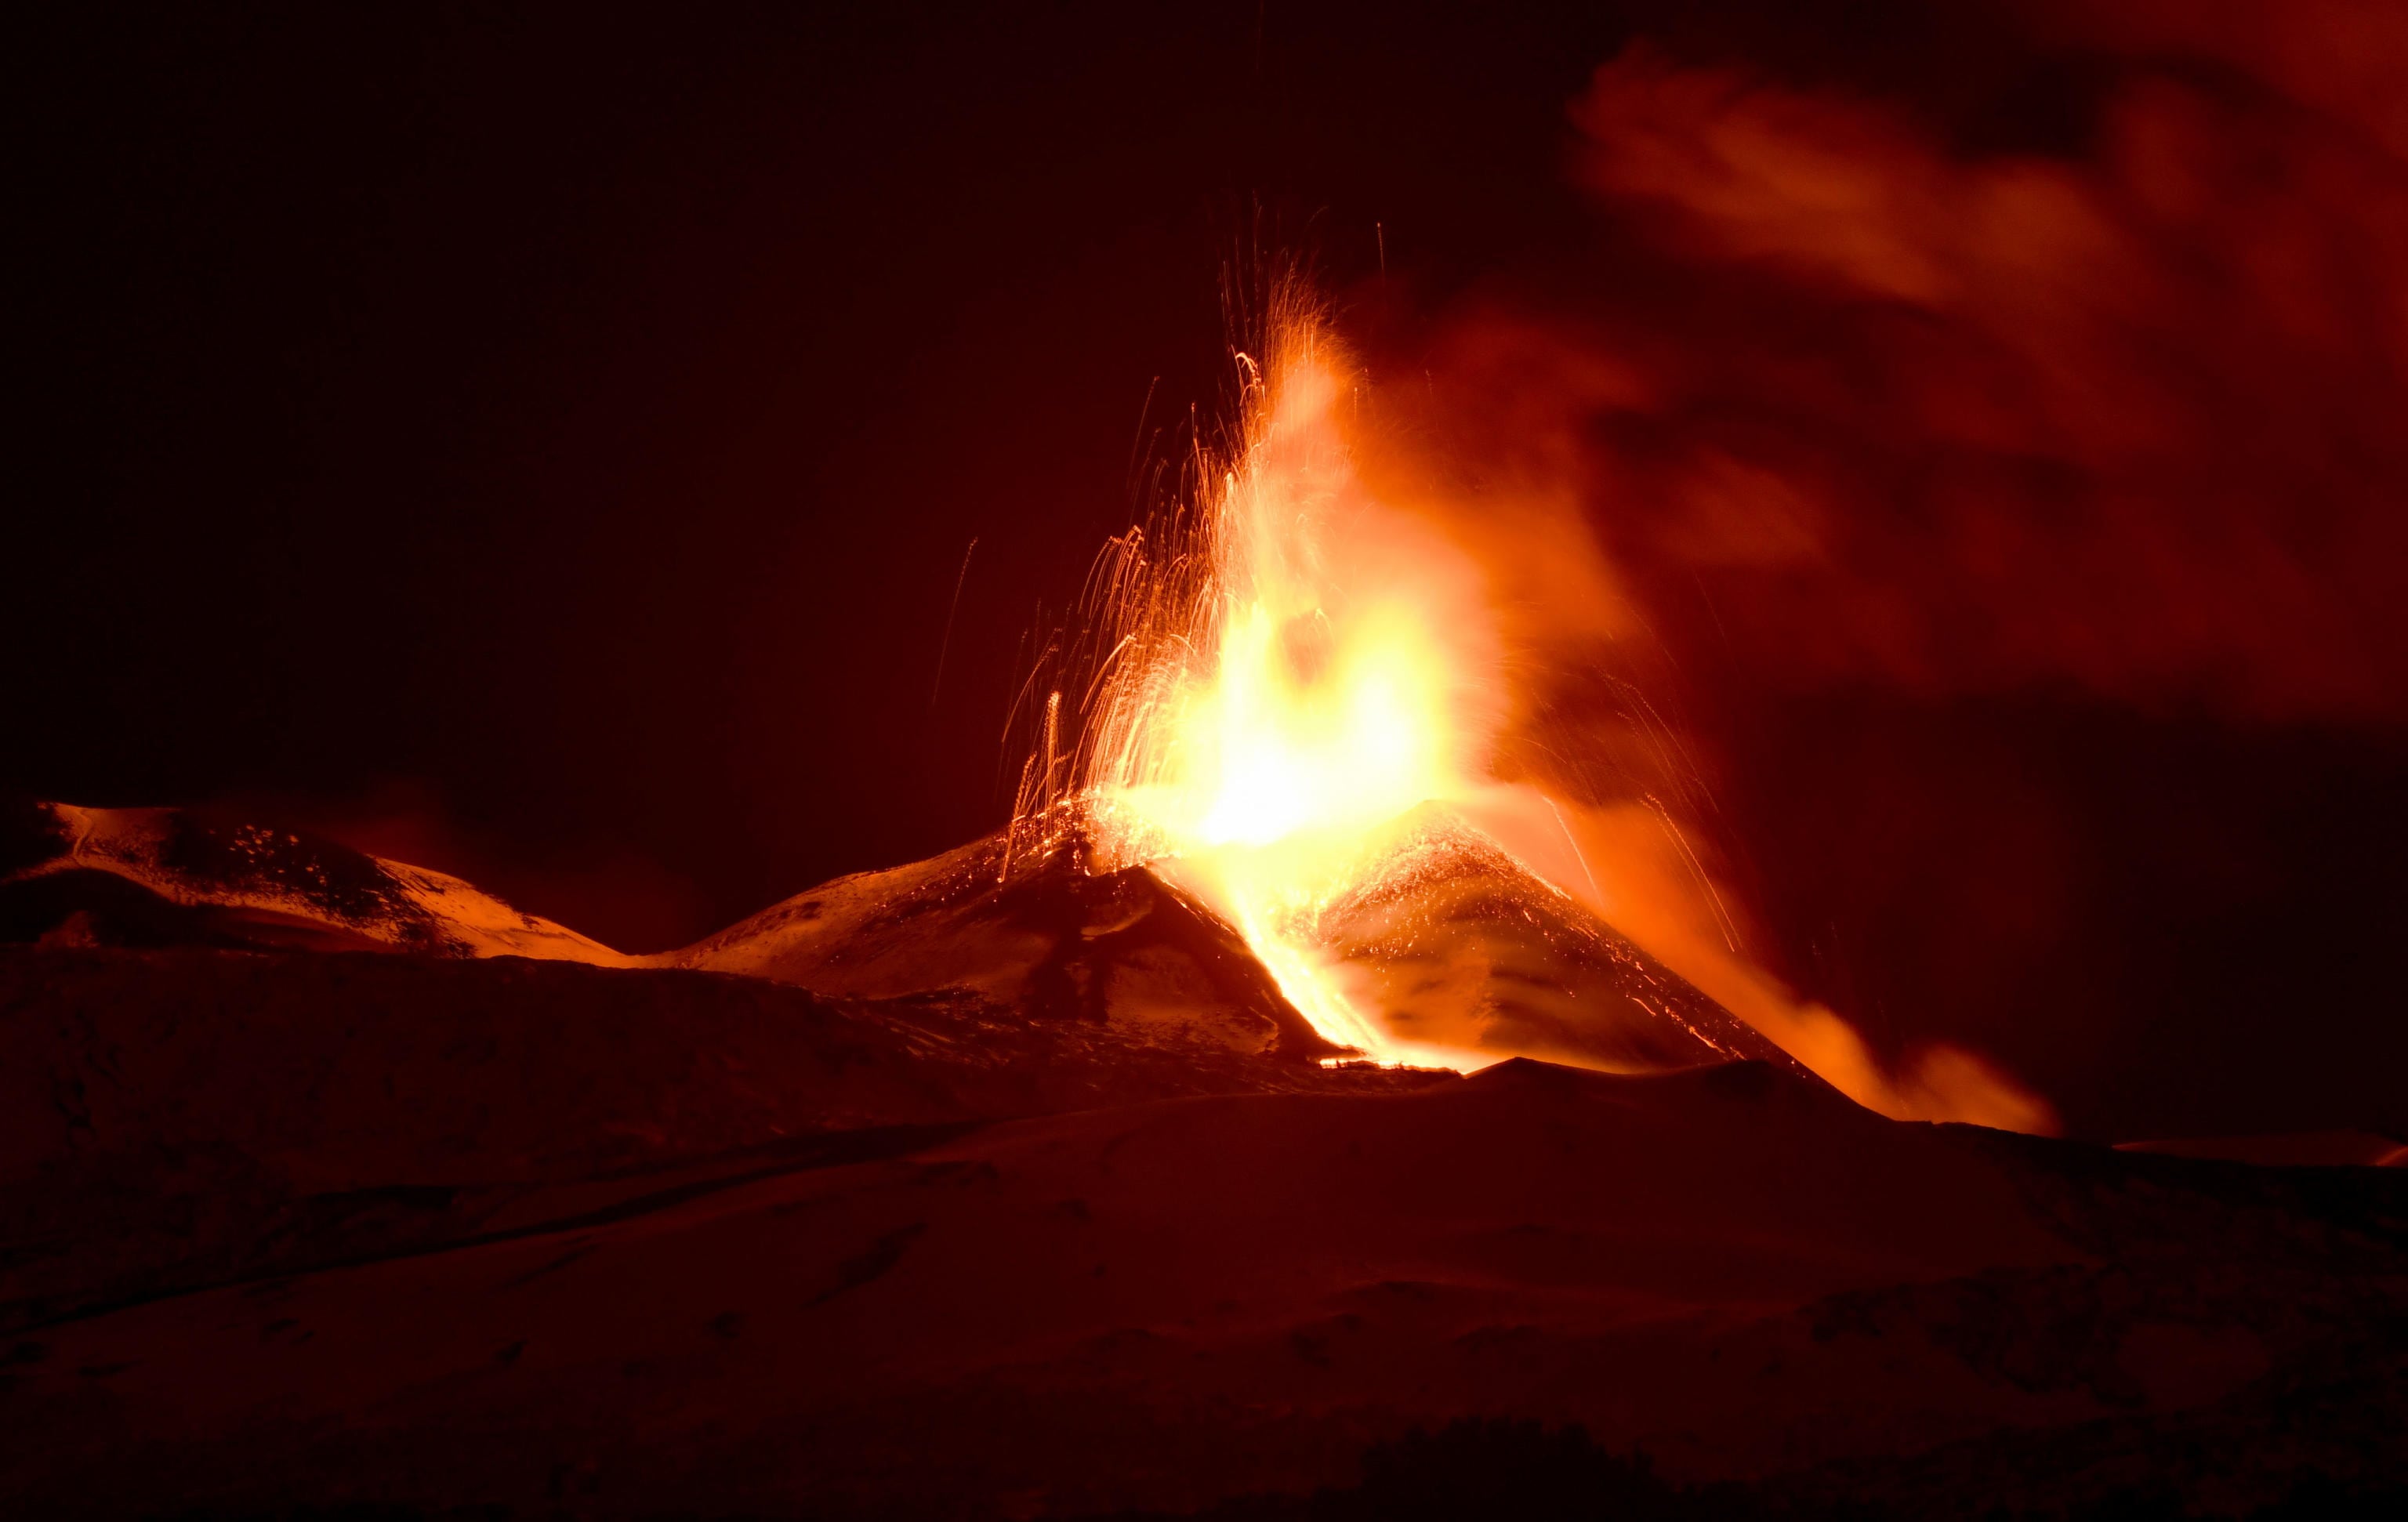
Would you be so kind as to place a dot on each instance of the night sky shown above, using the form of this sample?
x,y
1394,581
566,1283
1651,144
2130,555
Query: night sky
x,y
545,446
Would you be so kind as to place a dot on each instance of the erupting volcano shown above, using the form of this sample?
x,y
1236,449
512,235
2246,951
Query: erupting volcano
x,y
1134,1133
1295,690
1710,854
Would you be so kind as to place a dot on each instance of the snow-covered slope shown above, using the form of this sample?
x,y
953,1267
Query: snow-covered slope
x,y
1455,943
148,877
1046,938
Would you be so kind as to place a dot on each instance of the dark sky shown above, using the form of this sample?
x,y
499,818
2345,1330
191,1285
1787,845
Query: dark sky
x,y
545,446
574,425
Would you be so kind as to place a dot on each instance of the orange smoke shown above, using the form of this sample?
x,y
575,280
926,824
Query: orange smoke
x,y
1947,421
1651,887
1987,507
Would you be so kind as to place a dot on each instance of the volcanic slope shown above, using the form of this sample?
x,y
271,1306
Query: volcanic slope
x,y
172,1118
1167,1303
160,877
1034,930
1456,944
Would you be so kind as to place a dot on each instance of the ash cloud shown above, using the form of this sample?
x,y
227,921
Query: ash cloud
x,y
2005,525
1943,421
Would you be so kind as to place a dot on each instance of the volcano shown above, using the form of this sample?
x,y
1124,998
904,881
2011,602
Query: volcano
x,y
1463,947
1046,936
1007,1185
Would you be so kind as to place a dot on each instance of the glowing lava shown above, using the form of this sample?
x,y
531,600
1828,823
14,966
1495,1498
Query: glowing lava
x,y
1297,663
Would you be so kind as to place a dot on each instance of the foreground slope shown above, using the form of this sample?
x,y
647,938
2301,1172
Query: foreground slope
x,y
1166,1303
180,1118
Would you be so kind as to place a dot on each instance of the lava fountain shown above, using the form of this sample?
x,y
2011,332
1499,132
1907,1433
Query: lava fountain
x,y
1286,668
